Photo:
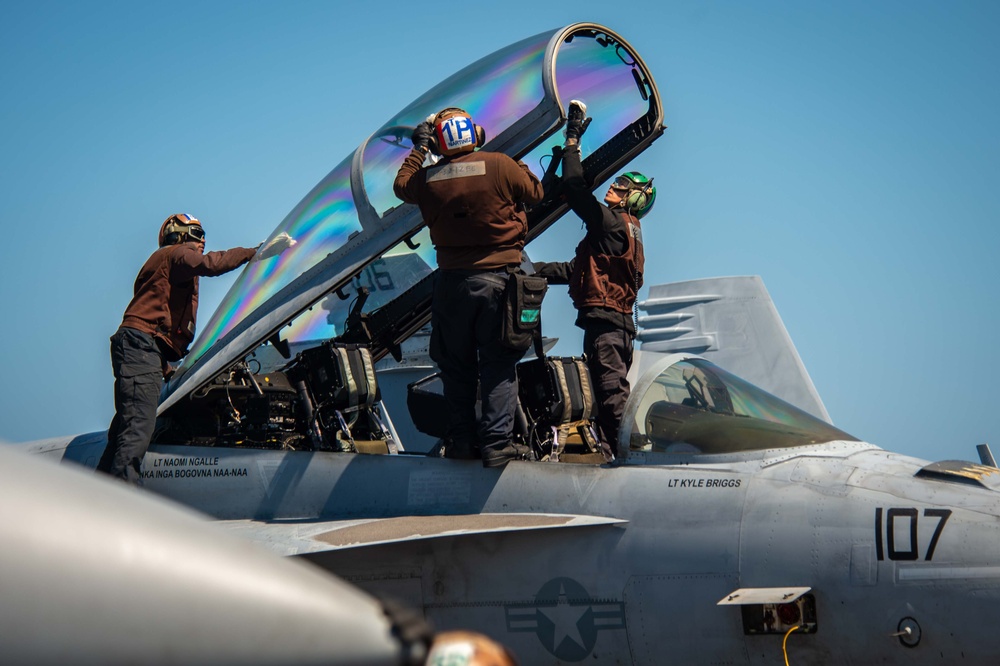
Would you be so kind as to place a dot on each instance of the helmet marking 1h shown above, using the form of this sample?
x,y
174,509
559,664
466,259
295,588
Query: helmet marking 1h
x,y
640,192
455,133
181,228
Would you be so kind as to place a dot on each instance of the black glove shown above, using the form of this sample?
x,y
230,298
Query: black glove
x,y
577,122
422,135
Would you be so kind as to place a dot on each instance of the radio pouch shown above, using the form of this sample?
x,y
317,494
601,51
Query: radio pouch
x,y
522,310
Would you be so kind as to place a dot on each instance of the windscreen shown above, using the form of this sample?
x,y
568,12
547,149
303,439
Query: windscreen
x,y
323,221
693,406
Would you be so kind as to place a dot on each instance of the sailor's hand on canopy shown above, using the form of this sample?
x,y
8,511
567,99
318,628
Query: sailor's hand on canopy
x,y
422,135
577,121
275,246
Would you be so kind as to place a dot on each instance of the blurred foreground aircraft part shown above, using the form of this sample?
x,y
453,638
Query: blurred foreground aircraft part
x,y
94,572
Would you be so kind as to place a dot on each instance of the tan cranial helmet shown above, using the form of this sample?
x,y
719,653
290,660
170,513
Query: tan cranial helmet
x,y
180,228
465,648
455,133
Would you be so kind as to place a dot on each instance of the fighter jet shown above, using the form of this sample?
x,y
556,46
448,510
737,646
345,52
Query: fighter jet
x,y
734,527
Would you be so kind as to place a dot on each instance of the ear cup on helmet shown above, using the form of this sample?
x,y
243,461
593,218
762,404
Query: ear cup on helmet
x,y
641,192
636,201
480,136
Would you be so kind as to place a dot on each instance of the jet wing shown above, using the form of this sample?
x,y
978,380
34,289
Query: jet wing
x,y
351,219
300,538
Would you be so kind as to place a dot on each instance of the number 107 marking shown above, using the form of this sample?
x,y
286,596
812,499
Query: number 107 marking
x,y
909,552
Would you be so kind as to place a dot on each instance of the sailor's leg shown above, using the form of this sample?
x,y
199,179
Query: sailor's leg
x,y
498,381
609,355
137,366
453,348
140,396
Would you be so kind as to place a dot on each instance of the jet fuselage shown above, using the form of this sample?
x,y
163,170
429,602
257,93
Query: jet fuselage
x,y
901,568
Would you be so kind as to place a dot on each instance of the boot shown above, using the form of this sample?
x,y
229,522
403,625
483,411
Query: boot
x,y
498,456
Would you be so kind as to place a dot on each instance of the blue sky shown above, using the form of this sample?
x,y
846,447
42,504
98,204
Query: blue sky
x,y
846,152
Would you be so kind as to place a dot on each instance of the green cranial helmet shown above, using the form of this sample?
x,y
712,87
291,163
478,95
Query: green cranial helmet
x,y
641,193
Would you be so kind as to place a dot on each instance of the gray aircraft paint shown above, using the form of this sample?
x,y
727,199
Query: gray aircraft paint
x,y
657,541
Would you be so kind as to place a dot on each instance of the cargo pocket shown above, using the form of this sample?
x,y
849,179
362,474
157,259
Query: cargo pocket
x,y
136,354
522,310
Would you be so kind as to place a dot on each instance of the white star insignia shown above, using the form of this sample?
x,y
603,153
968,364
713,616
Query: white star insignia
x,y
565,617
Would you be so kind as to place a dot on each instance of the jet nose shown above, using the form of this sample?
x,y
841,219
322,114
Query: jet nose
x,y
936,547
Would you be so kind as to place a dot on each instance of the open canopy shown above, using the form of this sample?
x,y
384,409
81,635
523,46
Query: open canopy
x,y
350,231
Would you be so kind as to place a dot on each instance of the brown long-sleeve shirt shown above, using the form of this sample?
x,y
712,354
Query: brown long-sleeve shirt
x,y
472,204
605,276
165,300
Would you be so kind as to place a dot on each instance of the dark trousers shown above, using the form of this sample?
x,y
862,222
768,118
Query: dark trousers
x,y
609,356
466,320
138,369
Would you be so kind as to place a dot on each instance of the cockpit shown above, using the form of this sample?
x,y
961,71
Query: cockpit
x,y
687,405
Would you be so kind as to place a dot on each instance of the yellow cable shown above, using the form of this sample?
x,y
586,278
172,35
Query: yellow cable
x,y
785,641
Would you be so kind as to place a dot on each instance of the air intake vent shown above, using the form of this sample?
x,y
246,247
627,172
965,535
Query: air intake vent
x,y
961,471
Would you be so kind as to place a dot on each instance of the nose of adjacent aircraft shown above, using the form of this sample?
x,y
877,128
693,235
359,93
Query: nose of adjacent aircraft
x,y
94,572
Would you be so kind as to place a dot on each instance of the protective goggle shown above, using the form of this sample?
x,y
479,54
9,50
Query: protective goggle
x,y
622,183
192,232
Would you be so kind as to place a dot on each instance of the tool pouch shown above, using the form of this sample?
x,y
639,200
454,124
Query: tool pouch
x,y
522,310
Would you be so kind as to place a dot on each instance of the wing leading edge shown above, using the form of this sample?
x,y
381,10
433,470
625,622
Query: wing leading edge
x,y
300,538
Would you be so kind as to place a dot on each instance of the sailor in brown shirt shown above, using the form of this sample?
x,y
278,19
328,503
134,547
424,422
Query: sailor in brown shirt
x,y
158,326
605,276
472,202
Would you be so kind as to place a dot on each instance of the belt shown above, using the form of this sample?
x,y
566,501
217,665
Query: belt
x,y
466,272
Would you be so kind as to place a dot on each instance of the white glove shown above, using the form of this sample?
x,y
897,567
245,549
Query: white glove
x,y
275,246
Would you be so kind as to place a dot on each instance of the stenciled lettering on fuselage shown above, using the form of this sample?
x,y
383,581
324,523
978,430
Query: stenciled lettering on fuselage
x,y
565,618
190,467
456,170
704,483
